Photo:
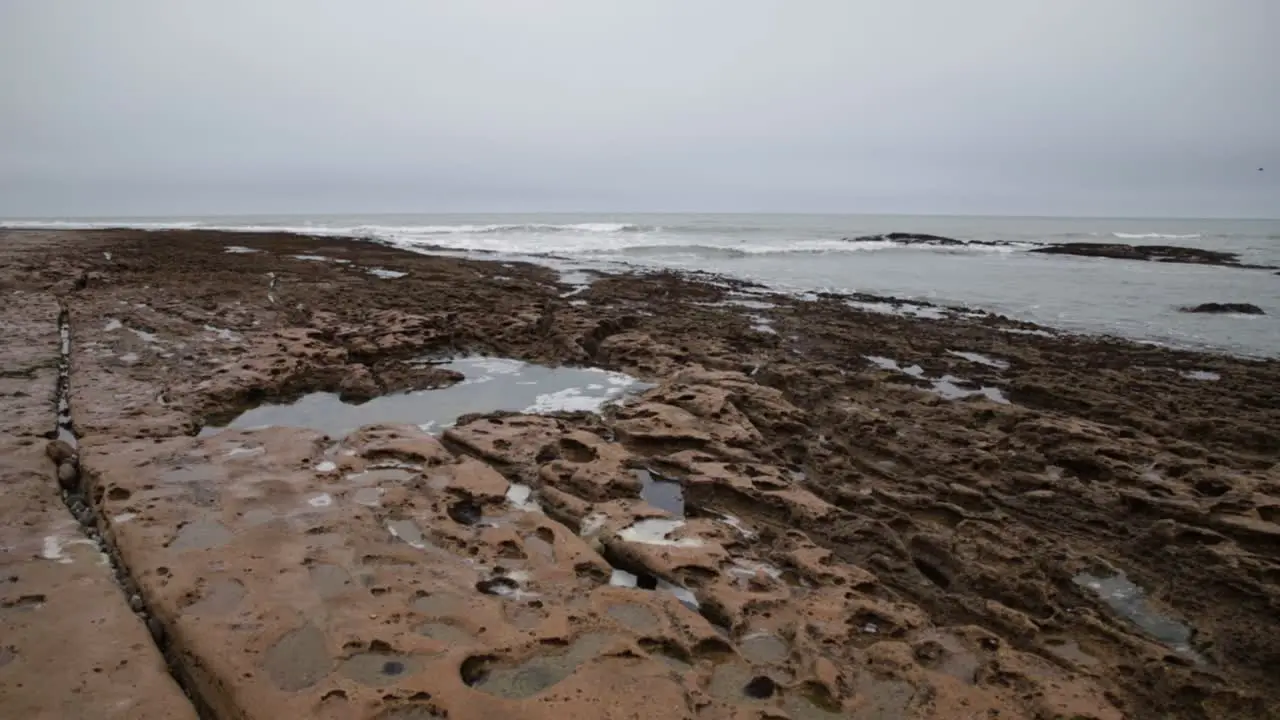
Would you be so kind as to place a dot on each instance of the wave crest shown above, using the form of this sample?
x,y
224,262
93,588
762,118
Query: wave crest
x,y
1153,236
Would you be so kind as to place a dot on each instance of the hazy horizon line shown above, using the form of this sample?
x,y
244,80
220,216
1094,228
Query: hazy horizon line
x,y
1024,216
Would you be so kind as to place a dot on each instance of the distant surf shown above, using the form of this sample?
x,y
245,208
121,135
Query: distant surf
x,y
991,263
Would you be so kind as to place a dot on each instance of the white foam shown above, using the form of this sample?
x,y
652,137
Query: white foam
x,y
567,400
326,466
1020,331
112,325
386,274
240,249
654,531
241,450
493,366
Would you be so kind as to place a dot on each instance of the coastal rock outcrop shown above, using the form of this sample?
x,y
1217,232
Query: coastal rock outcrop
x,y
1154,253
1213,307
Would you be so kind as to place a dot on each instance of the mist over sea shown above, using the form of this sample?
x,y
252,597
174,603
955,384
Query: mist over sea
x,y
803,253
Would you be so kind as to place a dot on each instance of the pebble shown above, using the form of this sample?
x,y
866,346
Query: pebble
x,y
68,476
60,451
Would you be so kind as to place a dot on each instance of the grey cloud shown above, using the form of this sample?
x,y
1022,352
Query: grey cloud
x,y
178,106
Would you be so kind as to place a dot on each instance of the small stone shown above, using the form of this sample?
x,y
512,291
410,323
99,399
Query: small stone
x,y
68,476
135,602
60,451
157,630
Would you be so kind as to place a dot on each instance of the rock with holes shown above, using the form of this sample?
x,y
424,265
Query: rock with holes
x,y
394,332
589,467
508,440
296,585
768,488
70,646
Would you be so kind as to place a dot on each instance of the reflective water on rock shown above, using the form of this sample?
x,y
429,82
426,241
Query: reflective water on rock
x,y
661,492
1130,602
489,385
1201,375
535,674
947,386
622,578
980,359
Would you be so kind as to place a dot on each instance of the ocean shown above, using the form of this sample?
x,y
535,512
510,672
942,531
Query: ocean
x,y
808,253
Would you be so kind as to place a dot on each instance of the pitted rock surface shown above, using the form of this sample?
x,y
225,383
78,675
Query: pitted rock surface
x,y
853,545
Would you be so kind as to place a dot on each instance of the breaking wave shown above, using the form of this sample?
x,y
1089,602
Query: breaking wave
x,y
1149,236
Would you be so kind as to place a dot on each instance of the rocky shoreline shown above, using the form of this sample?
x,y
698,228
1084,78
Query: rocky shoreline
x,y
1114,251
835,507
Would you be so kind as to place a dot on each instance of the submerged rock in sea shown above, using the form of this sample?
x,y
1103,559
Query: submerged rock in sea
x,y
1157,253
909,239
1213,307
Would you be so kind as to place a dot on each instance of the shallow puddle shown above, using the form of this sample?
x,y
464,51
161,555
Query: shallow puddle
x,y
980,359
378,669
537,673
660,492
489,385
1201,375
924,312
299,659
1130,602
635,617
947,386
622,578
764,649
446,633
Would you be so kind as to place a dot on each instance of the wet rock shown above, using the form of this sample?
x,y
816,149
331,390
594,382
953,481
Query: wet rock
x,y
68,476
60,451
909,239
1157,253
1242,308
357,384
818,498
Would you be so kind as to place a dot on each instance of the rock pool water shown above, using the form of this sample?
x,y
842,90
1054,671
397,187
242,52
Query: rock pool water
x,y
489,385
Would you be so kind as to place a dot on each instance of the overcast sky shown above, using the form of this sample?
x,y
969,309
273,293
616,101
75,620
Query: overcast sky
x,y
1105,107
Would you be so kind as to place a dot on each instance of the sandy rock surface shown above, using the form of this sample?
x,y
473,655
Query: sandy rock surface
x,y
853,515
70,645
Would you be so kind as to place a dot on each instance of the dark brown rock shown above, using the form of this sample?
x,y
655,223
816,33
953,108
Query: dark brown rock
x,y
1156,253
68,476
60,451
1242,308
